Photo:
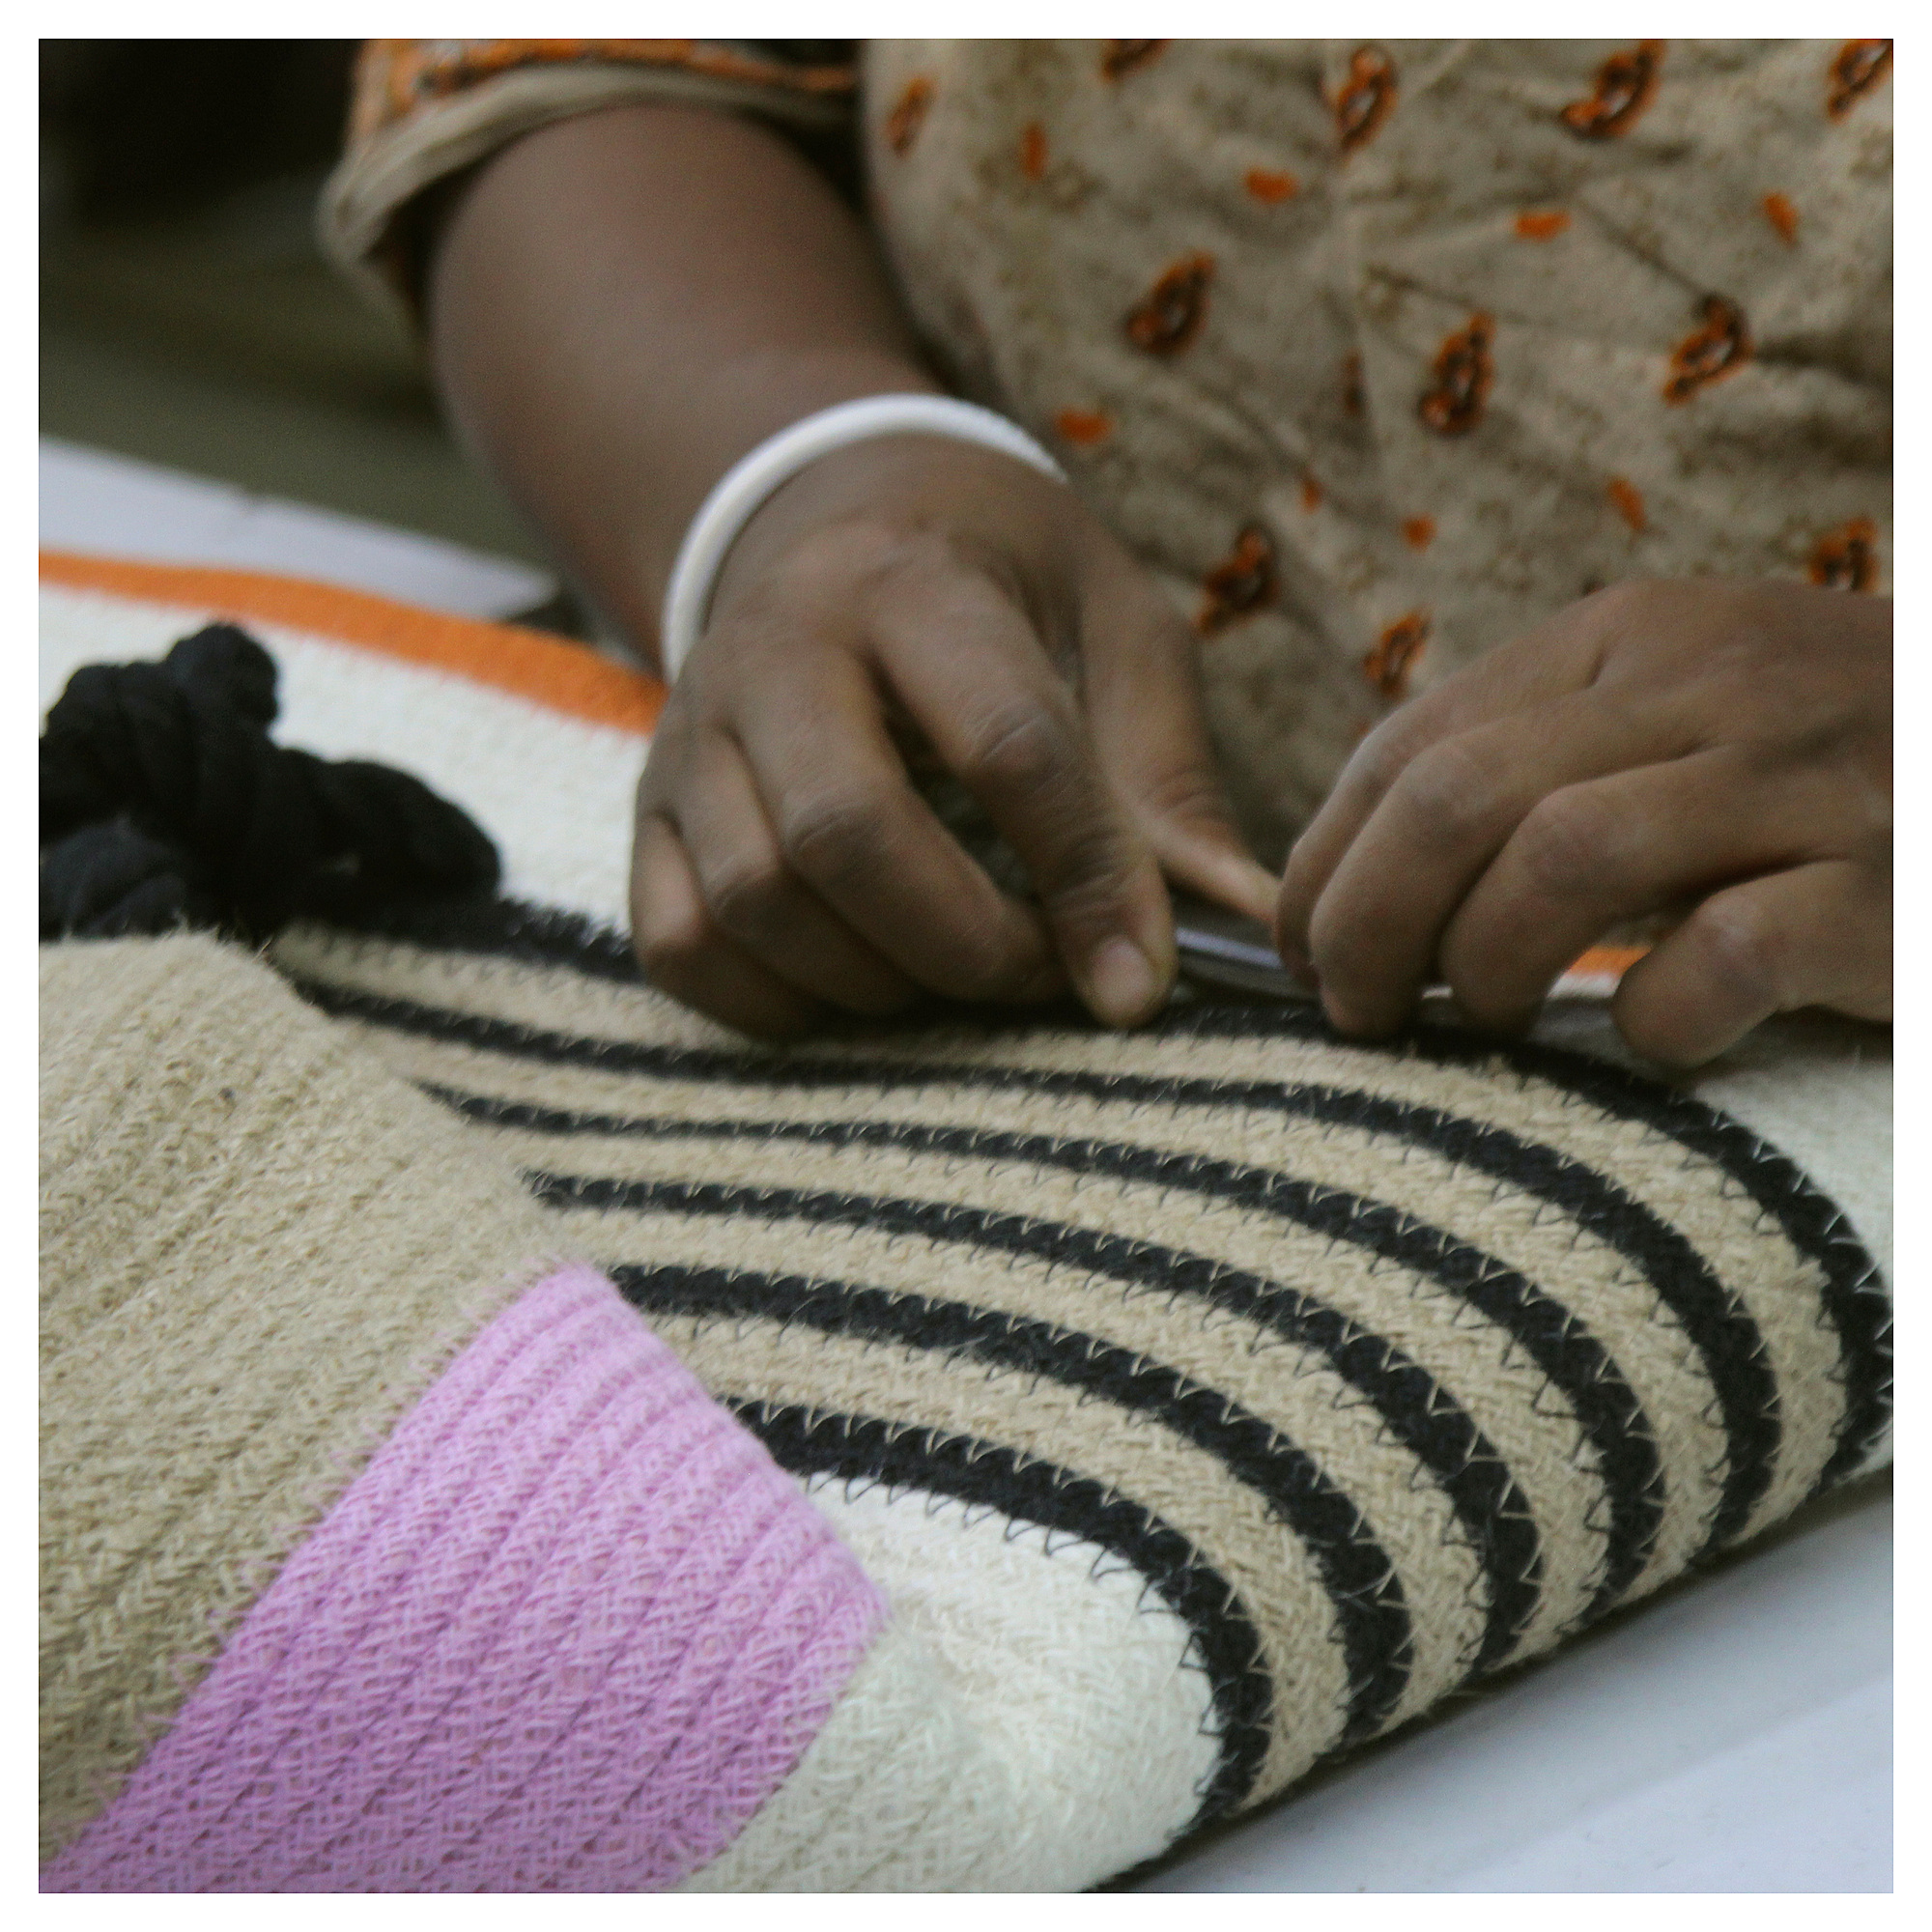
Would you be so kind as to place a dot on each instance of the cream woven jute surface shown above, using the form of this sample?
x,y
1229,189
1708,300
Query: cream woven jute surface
x,y
1199,1402
1384,1368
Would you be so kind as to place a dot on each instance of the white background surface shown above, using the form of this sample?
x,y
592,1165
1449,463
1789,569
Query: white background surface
x,y
1734,1737
111,504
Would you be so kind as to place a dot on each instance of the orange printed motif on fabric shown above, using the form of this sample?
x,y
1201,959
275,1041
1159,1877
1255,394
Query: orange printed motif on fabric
x,y
1084,428
1628,500
1354,396
1625,85
1389,665
1720,348
1418,532
1169,316
1542,224
1120,58
1452,404
1268,187
1242,583
1846,559
908,115
1033,150
1857,68
1781,215
1310,494
1365,100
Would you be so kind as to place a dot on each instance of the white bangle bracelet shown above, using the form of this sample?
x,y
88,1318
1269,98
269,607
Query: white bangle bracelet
x,y
755,476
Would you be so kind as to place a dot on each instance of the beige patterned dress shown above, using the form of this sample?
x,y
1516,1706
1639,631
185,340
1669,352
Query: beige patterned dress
x,y
1377,355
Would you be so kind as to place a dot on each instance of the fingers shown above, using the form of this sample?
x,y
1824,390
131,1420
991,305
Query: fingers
x,y
1651,746
1002,718
1817,936
1149,734
1373,929
683,951
851,829
755,898
1620,847
1547,665
815,854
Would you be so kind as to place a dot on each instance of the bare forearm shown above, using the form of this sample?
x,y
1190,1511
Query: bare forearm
x,y
622,304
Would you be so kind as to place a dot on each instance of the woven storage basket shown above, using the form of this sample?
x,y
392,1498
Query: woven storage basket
x,y
1198,1402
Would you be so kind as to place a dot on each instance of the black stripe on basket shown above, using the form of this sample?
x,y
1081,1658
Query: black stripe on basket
x,y
1716,1320
1855,1299
810,1441
1364,1589
1556,1339
1423,1416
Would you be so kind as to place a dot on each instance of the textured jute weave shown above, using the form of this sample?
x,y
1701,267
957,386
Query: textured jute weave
x,y
254,1259
1108,1428
1384,1369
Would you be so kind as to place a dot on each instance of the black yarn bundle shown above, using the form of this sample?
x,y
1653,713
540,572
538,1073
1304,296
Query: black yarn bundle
x,y
164,802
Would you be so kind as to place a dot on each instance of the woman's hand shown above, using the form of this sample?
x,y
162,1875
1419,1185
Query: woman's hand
x,y
914,595
921,595
1720,750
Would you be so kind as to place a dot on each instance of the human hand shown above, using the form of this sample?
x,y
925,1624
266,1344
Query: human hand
x,y
1712,747
918,591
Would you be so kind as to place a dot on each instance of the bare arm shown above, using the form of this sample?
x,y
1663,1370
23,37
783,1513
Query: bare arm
x,y
622,304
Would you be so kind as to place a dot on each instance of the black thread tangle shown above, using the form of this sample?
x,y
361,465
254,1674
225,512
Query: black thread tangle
x,y
164,802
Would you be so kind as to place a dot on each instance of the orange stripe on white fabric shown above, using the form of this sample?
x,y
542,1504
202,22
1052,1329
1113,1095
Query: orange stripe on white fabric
x,y
547,670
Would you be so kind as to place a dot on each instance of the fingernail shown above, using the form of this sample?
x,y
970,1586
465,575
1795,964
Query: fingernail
x,y
1122,986
1249,885
1299,965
